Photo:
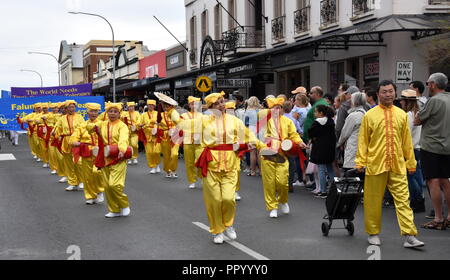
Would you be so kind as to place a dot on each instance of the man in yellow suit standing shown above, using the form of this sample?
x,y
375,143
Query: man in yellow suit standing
x,y
386,152
192,127
42,133
50,121
132,119
149,127
275,175
66,126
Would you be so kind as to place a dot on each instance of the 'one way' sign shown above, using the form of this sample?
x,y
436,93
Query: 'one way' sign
x,y
404,72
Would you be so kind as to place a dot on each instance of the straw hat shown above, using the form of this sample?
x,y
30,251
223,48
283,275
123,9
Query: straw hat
x,y
409,94
299,90
166,99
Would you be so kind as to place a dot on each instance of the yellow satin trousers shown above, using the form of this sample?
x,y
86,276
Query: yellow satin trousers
x,y
374,188
44,150
92,179
114,177
68,167
134,143
170,155
275,182
153,154
191,153
218,193
52,157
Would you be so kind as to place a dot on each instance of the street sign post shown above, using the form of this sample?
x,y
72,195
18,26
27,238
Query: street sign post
x,y
404,72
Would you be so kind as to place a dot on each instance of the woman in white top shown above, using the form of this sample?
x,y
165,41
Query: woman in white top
x,y
250,121
415,181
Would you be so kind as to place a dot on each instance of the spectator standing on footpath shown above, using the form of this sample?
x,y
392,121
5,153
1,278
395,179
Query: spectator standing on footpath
x,y
316,96
435,146
385,150
419,88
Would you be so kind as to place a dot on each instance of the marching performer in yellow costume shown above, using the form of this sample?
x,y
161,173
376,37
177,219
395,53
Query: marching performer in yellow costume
x,y
230,107
167,121
149,127
386,152
56,143
275,175
219,165
42,134
114,170
66,126
132,119
84,143
30,130
33,120
50,122
192,128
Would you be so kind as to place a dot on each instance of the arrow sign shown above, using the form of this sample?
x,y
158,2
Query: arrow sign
x,y
404,72
203,84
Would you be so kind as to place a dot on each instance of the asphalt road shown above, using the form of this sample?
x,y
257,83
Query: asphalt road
x,y
39,220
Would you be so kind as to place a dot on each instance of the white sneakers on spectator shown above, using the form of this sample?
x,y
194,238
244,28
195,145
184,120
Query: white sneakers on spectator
x,y
274,213
237,196
218,238
71,188
230,233
192,186
374,240
284,207
63,180
298,184
412,242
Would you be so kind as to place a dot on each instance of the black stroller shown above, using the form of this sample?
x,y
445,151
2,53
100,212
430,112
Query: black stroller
x,y
343,198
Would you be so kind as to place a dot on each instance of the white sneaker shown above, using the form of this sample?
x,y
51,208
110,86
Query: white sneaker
x,y
90,201
34,157
129,162
174,175
44,165
125,212
374,240
218,238
237,196
63,180
284,208
296,184
230,233
192,186
39,160
100,198
274,213
53,172
152,171
135,161
81,186
71,188
158,170
112,215
412,242
169,175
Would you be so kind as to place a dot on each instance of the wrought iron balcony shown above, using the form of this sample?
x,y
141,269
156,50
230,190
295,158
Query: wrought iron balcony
x,y
278,29
439,2
361,7
301,20
328,12
245,37
193,56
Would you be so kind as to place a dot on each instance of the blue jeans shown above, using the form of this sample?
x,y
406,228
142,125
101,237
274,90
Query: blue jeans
x,y
325,169
416,181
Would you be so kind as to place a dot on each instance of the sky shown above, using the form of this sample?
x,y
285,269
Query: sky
x,y
40,26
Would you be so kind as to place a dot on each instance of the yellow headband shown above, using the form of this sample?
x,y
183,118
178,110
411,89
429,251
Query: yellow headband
x,y
118,106
93,106
37,105
151,102
193,99
132,103
212,98
230,105
275,101
44,105
53,105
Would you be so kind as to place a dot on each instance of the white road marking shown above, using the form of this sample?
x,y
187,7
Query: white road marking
x,y
237,245
7,157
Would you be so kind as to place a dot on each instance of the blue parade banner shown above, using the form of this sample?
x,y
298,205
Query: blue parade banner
x,y
11,108
5,94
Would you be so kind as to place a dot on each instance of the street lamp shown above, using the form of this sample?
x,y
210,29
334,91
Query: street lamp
x,y
40,76
49,54
114,49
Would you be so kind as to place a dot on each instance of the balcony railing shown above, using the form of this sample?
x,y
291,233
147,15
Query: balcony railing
x,y
193,56
439,2
243,37
278,29
361,7
328,12
301,20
